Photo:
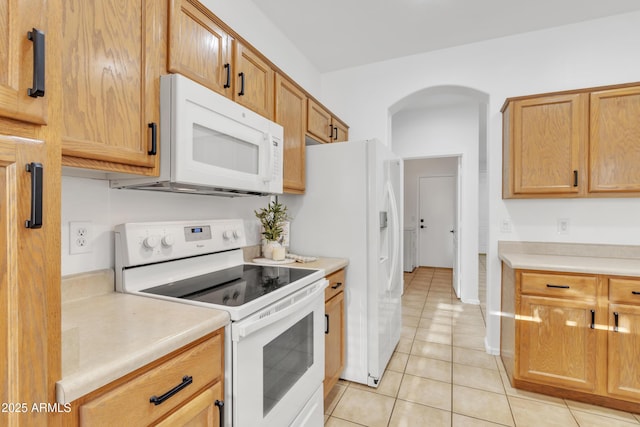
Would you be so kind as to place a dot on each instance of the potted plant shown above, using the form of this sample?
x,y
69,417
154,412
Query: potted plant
x,y
272,218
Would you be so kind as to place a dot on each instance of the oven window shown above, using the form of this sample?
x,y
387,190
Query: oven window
x,y
286,359
224,151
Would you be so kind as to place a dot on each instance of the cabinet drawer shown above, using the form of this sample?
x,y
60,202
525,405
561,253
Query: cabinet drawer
x,y
130,401
558,285
625,291
336,284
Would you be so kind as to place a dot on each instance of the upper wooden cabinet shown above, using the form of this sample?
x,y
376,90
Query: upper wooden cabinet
x,y
254,80
323,126
19,99
291,113
111,84
572,144
199,47
614,144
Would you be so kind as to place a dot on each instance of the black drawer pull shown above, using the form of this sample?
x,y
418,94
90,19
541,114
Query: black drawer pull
x,y
635,292
241,93
35,169
337,285
220,405
228,83
575,178
37,37
615,321
326,323
154,139
549,285
186,380
593,319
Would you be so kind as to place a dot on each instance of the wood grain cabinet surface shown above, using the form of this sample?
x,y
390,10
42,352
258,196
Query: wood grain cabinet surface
x,y
196,373
30,318
579,143
199,48
110,79
323,126
334,330
572,335
291,113
17,97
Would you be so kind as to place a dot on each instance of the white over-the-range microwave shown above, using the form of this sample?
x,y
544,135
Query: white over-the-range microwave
x,y
212,145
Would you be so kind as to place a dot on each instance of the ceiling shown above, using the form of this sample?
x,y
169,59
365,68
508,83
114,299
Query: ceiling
x,y
337,34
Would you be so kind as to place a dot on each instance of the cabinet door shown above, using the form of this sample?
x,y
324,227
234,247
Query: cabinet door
x,y
110,81
200,411
291,113
548,137
613,146
623,344
198,47
557,345
17,18
29,281
340,131
319,123
334,341
254,81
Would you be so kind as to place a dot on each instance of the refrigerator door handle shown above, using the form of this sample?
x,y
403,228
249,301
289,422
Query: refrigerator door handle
x,y
396,237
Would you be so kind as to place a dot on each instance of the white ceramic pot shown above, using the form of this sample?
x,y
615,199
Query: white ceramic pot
x,y
267,248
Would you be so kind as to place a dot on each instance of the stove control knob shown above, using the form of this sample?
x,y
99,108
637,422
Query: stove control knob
x,y
227,235
151,242
168,240
237,234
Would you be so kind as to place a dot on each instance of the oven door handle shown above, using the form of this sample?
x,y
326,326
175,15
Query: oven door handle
x,y
262,319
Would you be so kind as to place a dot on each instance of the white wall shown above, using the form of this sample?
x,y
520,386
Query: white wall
x,y
593,53
89,199
449,130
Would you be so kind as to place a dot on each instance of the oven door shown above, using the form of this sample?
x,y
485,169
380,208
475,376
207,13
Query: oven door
x,y
278,361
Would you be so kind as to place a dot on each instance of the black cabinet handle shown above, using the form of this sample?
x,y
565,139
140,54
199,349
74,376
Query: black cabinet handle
x,y
549,285
330,131
186,380
593,319
36,171
154,139
615,321
228,68
575,178
37,37
326,323
220,405
337,285
241,93
635,292
335,132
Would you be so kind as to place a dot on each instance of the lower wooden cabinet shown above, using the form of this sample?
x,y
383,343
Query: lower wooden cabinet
x,y
572,335
180,390
623,343
334,350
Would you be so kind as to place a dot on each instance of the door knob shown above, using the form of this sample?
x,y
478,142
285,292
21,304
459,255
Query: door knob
x,y
422,226
452,231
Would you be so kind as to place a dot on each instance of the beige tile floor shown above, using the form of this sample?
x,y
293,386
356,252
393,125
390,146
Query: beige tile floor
x,y
440,374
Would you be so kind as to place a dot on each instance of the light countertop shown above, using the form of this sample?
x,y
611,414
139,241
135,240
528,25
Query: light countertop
x,y
106,335
329,265
573,258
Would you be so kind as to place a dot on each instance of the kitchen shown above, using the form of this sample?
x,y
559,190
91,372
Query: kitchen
x,y
568,57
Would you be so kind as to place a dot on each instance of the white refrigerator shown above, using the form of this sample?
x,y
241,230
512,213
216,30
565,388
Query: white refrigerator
x,y
352,208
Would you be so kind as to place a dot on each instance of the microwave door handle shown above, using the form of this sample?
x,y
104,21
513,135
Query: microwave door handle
x,y
268,174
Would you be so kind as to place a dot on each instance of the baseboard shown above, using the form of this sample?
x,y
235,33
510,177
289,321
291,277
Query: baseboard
x,y
495,351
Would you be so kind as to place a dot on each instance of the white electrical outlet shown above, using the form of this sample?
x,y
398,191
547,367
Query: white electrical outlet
x,y
563,225
80,237
505,226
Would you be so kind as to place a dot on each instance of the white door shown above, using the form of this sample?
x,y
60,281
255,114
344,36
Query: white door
x,y
437,220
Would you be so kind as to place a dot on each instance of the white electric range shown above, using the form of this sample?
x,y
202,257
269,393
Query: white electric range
x,y
274,346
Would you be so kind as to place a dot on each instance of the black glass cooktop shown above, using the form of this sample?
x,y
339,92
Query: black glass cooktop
x,y
233,286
